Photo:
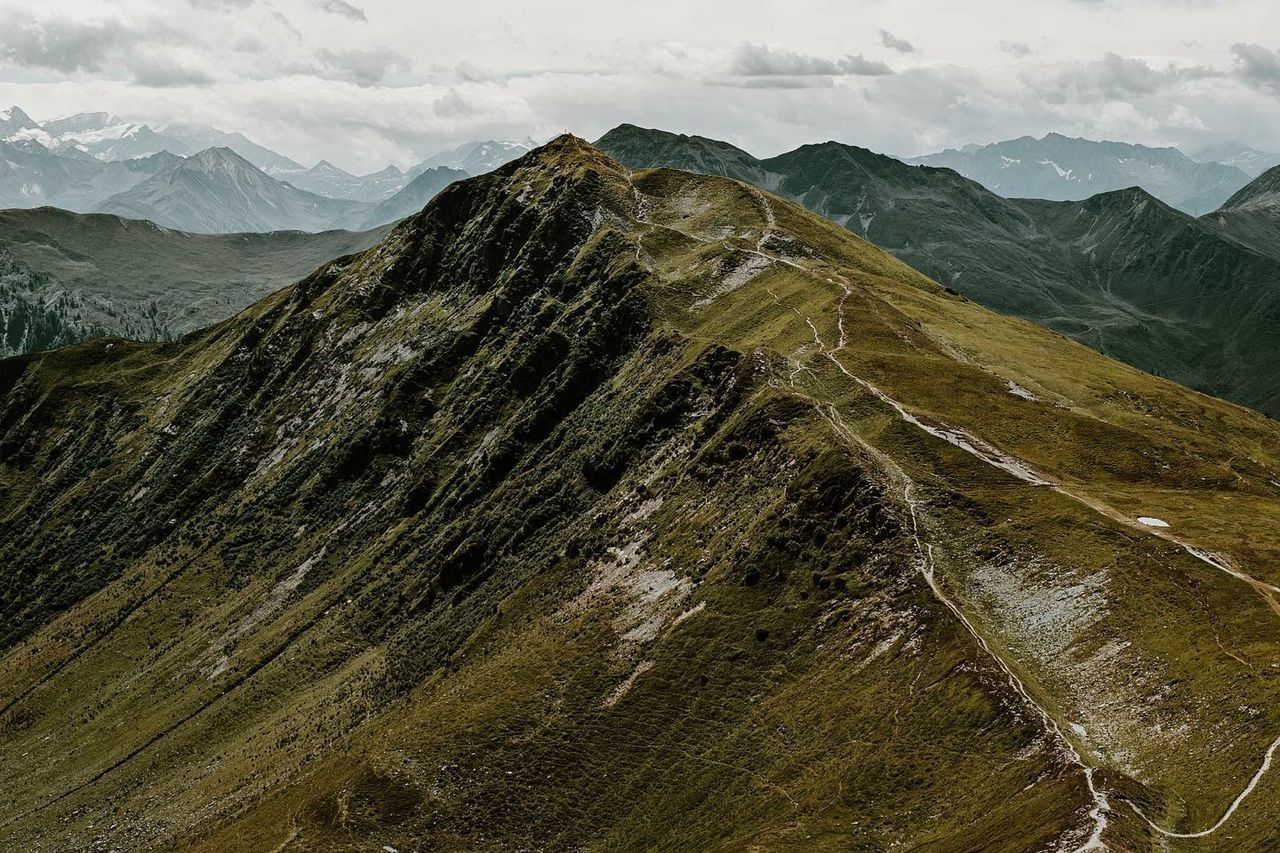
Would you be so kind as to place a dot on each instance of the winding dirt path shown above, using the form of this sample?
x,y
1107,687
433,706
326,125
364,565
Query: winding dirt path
x,y
991,455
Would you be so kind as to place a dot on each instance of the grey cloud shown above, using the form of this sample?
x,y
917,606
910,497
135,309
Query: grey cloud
x,y
758,60
218,5
1015,48
1118,77
362,67
1258,65
889,40
60,44
70,46
468,73
161,72
341,7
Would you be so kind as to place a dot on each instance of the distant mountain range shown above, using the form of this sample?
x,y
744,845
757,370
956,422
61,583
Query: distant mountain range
x,y
1248,160
1197,301
1059,168
197,178
476,158
214,191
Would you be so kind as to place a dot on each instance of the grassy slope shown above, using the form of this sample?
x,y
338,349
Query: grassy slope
x,y
587,387
1120,272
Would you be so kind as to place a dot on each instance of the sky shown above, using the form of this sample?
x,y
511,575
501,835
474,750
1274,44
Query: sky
x,y
364,83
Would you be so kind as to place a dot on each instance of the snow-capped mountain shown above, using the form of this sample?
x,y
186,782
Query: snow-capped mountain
x,y
93,139
476,158
1060,168
109,138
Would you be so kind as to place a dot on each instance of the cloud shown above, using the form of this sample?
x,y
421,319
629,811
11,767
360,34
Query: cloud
x,y
341,7
1258,65
889,40
59,44
1015,48
758,60
219,5
1115,77
362,67
159,70
151,54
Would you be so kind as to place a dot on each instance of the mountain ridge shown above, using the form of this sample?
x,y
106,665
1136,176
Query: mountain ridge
x,y
1208,318
1061,168
643,507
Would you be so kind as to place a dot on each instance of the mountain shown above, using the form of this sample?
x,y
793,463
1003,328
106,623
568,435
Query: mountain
x,y
14,120
79,123
1252,216
98,135
1121,272
218,191
476,158
650,510
640,148
33,176
106,137
1248,160
67,277
198,137
326,179
414,196
1060,168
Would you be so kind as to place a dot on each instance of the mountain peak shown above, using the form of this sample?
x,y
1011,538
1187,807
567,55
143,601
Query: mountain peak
x,y
14,119
220,156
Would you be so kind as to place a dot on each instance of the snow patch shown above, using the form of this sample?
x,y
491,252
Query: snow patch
x,y
1018,391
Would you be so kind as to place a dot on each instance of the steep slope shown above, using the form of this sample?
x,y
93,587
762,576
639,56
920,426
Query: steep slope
x,y
413,197
1121,272
643,511
218,191
1166,293
1252,216
1059,168
69,277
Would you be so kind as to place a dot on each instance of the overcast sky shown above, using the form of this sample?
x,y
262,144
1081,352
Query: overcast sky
x,y
367,82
